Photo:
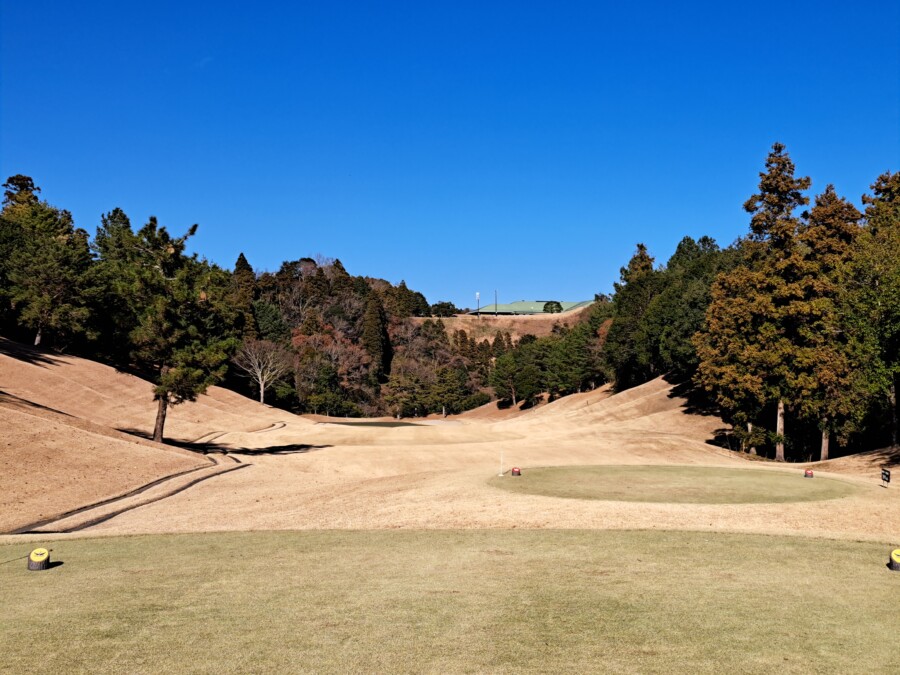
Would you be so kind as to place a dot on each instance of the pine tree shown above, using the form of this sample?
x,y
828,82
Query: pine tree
x,y
243,293
270,323
375,338
20,197
627,347
504,378
181,330
113,247
48,268
750,350
870,294
404,394
499,346
449,391
678,311
833,395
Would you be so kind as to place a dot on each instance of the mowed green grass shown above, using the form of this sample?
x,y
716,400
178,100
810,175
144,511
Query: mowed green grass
x,y
451,602
674,484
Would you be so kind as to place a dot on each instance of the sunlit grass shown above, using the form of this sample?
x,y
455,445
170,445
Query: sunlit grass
x,y
452,601
674,484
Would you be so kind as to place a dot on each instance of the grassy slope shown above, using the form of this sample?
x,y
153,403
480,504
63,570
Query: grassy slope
x,y
487,325
452,601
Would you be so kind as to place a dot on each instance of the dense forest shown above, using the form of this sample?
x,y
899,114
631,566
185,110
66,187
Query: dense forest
x,y
791,333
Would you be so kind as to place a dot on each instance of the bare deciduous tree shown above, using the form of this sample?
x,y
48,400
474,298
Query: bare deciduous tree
x,y
264,362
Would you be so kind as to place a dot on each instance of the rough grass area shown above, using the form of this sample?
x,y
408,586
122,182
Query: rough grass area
x,y
457,601
675,484
387,425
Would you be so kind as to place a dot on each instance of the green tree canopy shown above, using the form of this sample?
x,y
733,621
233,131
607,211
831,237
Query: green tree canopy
x,y
626,349
46,267
181,319
444,309
755,349
375,338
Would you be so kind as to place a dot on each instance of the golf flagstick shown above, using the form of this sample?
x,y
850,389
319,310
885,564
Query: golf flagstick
x,y
501,463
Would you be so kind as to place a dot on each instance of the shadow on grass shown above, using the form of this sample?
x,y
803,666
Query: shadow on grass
x,y
389,425
722,439
697,400
292,449
211,447
50,565
886,457
20,352
13,401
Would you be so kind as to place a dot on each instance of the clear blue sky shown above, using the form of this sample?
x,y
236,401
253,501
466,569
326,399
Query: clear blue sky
x,y
464,146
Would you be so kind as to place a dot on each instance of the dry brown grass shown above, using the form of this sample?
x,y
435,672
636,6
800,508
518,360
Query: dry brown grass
x,y
308,475
459,590
487,325
51,463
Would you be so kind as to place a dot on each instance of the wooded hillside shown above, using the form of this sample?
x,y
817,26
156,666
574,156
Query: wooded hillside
x,y
792,333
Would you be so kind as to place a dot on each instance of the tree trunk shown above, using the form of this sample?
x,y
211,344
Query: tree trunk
x,y
262,392
893,397
826,437
37,337
160,418
752,449
779,430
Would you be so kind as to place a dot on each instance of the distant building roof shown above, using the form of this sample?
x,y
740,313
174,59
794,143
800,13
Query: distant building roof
x,y
528,307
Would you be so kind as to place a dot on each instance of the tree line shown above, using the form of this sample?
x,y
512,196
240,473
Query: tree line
x,y
310,336
791,333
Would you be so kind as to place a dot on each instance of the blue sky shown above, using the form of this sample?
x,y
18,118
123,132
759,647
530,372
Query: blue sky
x,y
467,146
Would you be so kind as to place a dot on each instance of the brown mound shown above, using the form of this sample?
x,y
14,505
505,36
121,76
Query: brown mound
x,y
51,463
104,396
867,464
64,443
302,474
487,325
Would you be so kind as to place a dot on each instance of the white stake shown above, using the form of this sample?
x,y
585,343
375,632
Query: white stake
x,y
501,463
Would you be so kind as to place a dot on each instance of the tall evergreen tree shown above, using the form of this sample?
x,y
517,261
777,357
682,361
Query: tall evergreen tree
x,y
181,331
449,391
749,352
678,311
48,268
375,338
114,247
243,293
833,393
627,347
20,196
870,294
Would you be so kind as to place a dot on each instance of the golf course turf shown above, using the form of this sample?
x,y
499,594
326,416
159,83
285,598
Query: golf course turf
x,y
674,484
451,601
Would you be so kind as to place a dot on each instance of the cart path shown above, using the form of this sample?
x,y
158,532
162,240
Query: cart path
x,y
93,514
